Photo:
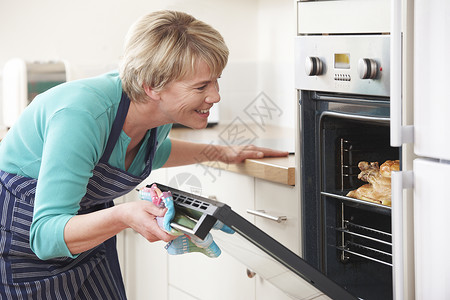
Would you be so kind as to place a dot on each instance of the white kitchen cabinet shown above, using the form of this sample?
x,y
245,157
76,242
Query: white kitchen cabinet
x,y
176,294
214,278
145,268
277,200
143,264
344,16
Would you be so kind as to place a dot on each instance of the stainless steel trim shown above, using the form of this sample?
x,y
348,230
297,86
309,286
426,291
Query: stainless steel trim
x,y
354,117
343,80
353,100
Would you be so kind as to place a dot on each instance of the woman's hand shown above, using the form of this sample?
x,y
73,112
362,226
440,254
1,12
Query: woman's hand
x,y
237,154
141,217
186,153
84,232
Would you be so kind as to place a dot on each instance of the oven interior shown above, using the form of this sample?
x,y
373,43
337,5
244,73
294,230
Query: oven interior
x,y
347,239
357,248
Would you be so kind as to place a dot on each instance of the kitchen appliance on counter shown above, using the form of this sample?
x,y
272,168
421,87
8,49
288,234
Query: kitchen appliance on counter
x,y
23,80
343,84
254,248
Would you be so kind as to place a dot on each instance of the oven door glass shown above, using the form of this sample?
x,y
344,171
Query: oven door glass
x,y
257,250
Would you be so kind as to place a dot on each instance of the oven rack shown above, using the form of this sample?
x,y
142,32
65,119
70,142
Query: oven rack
x,y
375,241
346,250
374,206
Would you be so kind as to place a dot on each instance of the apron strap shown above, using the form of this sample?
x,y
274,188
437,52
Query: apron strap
x,y
116,127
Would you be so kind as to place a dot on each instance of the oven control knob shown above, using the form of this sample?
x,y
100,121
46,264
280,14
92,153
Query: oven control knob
x,y
313,66
367,68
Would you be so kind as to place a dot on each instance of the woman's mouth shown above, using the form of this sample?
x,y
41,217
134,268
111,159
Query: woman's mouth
x,y
202,111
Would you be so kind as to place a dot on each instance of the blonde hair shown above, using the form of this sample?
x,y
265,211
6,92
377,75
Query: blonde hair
x,y
166,45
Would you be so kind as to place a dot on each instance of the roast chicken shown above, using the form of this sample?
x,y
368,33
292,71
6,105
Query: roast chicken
x,y
378,188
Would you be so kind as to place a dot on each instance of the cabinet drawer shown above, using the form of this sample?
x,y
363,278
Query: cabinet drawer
x,y
279,200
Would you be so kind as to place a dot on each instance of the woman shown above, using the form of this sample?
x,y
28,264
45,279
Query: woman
x,y
82,144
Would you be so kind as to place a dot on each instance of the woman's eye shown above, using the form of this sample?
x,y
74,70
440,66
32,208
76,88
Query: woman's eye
x,y
202,87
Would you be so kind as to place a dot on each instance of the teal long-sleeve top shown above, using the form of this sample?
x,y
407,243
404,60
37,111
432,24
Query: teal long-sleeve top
x,y
58,140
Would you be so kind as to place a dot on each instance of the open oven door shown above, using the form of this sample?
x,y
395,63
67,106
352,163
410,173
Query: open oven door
x,y
257,250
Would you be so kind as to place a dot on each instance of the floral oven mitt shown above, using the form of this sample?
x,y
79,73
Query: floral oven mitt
x,y
184,243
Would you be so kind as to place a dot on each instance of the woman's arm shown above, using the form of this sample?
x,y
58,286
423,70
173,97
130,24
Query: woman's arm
x,y
83,232
186,153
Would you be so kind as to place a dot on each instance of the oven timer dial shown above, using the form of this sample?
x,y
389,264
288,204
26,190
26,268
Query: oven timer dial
x,y
367,68
313,66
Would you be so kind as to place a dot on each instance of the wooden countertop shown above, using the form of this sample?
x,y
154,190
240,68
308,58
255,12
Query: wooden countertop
x,y
275,169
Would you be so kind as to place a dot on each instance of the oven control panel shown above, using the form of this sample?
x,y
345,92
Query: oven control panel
x,y
345,64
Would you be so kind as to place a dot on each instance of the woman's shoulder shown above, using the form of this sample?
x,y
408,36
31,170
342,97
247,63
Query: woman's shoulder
x,y
95,96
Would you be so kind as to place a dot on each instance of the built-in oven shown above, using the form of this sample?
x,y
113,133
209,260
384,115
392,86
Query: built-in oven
x,y
343,88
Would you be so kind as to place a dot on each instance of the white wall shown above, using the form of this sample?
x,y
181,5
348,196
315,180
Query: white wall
x,y
89,34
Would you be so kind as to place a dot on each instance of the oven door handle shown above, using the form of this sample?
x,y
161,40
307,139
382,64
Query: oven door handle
x,y
399,180
354,117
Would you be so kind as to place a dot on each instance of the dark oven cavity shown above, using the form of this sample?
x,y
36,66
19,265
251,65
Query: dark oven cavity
x,y
346,238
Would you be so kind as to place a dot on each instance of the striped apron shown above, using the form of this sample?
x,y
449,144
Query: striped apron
x,y
94,274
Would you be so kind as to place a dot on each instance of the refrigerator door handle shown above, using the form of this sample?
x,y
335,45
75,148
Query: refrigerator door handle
x,y
399,181
399,134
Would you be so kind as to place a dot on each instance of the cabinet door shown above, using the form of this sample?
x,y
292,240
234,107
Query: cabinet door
x,y
221,278
277,200
431,77
342,16
176,294
146,268
143,264
431,222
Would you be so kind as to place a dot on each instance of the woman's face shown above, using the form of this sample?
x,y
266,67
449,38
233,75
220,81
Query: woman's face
x,y
188,101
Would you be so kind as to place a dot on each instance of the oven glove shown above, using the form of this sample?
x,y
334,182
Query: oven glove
x,y
161,199
185,243
189,243
220,226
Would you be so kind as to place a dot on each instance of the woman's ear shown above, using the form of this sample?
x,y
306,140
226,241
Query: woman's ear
x,y
151,92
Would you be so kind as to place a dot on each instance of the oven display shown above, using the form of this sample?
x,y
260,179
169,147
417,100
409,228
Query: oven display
x,y
342,60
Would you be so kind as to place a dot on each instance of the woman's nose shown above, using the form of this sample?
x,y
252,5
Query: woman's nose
x,y
213,93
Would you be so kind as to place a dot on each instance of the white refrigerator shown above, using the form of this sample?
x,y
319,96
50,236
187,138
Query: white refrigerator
x,y
420,192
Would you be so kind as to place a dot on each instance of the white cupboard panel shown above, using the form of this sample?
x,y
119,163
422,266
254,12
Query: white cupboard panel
x,y
431,224
177,294
345,16
279,200
431,79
